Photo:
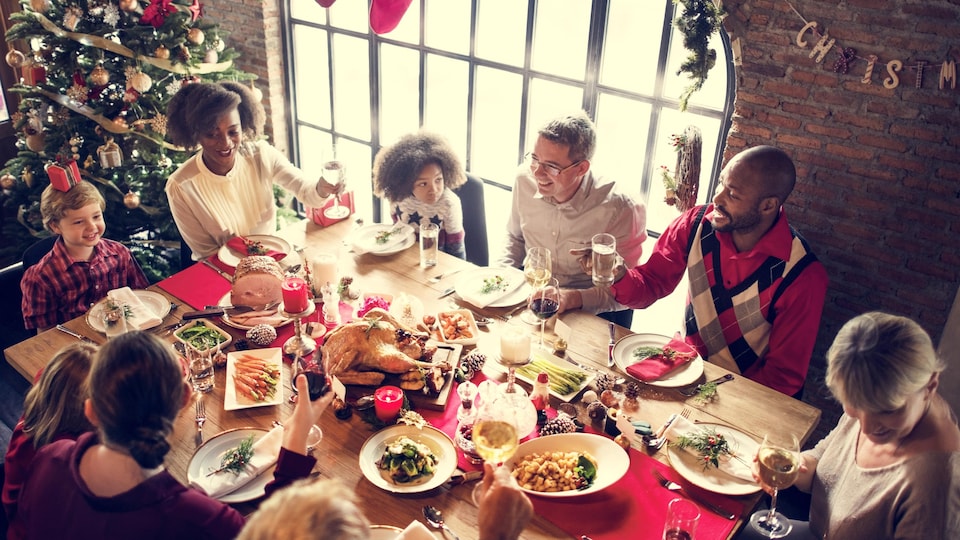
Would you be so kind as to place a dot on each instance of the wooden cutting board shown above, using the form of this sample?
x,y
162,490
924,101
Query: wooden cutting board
x,y
420,398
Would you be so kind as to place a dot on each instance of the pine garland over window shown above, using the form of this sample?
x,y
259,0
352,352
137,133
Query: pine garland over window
x,y
698,22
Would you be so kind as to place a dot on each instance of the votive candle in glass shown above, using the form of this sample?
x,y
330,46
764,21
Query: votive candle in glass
x,y
387,401
515,345
294,292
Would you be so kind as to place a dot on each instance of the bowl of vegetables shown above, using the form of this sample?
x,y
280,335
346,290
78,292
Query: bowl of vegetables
x,y
202,336
458,326
408,459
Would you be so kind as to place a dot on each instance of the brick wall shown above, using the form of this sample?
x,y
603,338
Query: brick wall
x,y
254,27
878,194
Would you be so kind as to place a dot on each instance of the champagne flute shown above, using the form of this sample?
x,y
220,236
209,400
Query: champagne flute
x,y
545,303
778,462
537,269
335,173
495,439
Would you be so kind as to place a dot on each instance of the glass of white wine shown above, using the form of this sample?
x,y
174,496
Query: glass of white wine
x,y
778,463
335,173
537,269
495,439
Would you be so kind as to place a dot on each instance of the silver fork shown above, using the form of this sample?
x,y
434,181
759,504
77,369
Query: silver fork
x,y
513,312
201,418
675,487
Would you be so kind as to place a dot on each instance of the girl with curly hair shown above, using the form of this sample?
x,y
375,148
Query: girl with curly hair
x,y
417,175
226,189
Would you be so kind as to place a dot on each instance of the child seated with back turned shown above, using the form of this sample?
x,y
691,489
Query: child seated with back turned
x,y
82,266
417,175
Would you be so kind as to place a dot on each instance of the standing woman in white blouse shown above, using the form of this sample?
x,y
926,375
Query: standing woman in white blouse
x,y
226,188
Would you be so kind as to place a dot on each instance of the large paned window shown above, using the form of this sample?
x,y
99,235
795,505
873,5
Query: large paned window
x,y
487,73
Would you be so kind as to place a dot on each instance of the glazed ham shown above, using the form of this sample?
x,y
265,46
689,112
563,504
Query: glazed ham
x,y
256,282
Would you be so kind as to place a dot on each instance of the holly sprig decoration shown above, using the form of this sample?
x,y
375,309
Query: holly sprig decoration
x,y
706,393
495,283
709,444
236,460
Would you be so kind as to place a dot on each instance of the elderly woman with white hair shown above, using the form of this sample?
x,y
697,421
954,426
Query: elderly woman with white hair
x,y
891,467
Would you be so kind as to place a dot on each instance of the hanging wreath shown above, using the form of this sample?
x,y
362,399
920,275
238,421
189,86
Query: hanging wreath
x,y
699,20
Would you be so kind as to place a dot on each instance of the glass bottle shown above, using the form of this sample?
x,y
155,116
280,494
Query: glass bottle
x,y
466,416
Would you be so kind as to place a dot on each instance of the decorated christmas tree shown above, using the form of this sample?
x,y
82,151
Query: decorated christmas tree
x,y
94,85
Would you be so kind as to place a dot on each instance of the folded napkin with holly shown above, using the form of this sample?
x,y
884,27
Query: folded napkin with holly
x,y
245,246
239,466
658,362
732,457
383,240
138,314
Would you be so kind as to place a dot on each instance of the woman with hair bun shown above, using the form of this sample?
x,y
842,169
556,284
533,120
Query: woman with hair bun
x,y
891,467
112,483
226,189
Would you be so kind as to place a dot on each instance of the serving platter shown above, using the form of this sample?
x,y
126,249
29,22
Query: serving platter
x,y
611,460
225,301
623,357
589,375
232,398
438,442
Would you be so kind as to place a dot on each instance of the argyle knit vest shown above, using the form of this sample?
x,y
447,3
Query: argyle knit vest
x,y
734,324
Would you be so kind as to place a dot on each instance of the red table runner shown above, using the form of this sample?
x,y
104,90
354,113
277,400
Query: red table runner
x,y
635,507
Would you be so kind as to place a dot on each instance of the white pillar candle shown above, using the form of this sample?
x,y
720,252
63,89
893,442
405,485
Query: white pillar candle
x,y
515,345
323,268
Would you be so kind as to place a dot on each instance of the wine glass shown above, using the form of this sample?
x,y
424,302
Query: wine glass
x,y
545,303
537,269
317,386
778,463
335,173
494,437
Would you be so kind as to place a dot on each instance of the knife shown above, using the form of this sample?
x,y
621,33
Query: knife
x,y
230,311
70,332
696,389
217,269
447,292
611,344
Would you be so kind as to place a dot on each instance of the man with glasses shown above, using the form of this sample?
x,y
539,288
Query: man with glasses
x,y
559,204
756,289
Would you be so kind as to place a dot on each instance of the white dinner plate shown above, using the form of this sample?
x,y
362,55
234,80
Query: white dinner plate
x,y
231,258
713,479
438,442
155,302
471,281
612,460
384,532
623,356
225,301
207,458
232,399
365,239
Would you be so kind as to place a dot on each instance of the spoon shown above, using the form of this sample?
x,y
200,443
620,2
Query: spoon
x,y
435,519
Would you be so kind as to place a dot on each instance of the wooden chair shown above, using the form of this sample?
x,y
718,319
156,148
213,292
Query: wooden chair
x,y
474,220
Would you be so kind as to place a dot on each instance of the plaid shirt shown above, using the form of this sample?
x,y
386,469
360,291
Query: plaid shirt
x,y
58,289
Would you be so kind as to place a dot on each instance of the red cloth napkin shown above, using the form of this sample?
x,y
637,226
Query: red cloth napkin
x,y
239,245
197,285
635,507
316,214
656,367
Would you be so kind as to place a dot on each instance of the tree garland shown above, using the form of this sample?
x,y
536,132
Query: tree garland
x,y
699,20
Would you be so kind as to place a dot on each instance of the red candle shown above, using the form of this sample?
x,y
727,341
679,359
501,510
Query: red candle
x,y
387,401
294,295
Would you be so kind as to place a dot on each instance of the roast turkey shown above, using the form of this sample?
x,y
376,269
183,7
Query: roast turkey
x,y
365,351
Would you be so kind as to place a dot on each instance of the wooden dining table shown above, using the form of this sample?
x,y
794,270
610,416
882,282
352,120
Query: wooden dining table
x,y
749,407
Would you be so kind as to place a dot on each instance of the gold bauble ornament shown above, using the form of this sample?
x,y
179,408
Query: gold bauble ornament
x,y
131,200
36,142
211,57
27,176
129,5
195,36
140,81
99,76
15,58
40,6
162,52
7,181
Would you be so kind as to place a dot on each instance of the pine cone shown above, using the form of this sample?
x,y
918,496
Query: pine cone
x,y
241,345
262,334
473,361
632,391
605,381
560,424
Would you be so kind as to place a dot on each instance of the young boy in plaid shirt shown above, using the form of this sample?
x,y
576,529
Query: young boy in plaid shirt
x,y
82,266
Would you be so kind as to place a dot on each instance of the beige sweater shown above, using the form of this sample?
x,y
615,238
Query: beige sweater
x,y
918,498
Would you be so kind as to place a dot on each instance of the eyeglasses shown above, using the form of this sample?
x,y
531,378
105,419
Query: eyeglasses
x,y
552,170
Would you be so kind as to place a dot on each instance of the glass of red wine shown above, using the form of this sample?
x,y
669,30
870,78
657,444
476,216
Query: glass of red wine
x,y
545,303
317,386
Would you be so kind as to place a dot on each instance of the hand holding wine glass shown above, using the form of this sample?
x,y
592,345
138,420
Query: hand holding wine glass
x,y
495,439
335,173
545,303
778,462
